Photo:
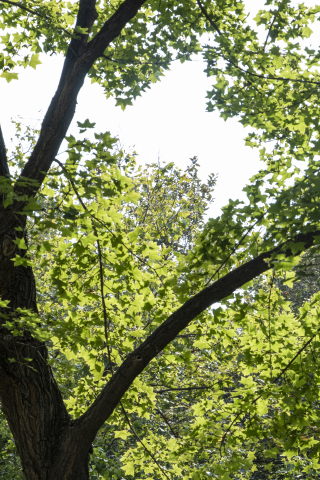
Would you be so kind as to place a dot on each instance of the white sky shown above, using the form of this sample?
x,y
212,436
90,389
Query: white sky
x,y
169,121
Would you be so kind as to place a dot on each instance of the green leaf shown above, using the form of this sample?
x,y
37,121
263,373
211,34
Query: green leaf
x,y
9,76
86,124
128,468
21,243
306,32
34,61
123,434
22,261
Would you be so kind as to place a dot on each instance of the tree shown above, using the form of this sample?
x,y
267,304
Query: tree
x,y
162,213
118,285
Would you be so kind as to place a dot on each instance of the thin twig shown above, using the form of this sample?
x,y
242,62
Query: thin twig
x,y
162,415
46,17
264,77
234,250
184,388
297,355
16,4
103,223
105,319
133,62
269,320
270,28
212,23
143,445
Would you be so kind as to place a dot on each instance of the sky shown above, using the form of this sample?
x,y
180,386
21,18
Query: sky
x,y
169,121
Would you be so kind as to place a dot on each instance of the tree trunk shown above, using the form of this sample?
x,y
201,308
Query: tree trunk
x,y
29,395
51,446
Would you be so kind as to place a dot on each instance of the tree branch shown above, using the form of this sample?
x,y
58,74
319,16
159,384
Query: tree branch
x,y
183,389
269,31
204,12
38,14
23,7
62,107
135,363
4,168
112,28
87,14
86,17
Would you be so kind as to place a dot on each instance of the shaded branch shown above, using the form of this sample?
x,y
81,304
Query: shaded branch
x,y
86,17
205,14
4,168
135,363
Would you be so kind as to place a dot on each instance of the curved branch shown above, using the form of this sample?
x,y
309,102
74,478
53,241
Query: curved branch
x,y
136,362
212,23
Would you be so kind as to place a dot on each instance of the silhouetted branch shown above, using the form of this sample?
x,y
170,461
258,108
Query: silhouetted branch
x,y
137,361
4,168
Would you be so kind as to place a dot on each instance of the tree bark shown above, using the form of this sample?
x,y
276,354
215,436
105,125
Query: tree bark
x,y
4,169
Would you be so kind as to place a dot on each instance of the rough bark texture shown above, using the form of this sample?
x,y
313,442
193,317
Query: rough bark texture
x,y
4,169
29,395
51,446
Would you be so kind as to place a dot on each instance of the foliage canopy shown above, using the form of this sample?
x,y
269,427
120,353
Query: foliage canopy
x,y
157,344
